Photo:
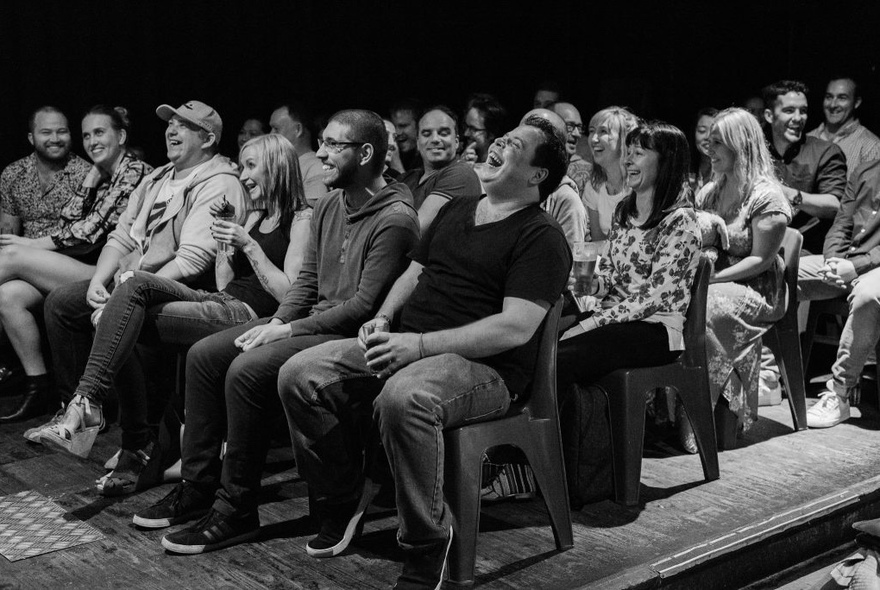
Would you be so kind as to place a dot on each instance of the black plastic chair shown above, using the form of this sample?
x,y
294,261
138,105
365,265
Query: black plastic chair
x,y
783,338
626,389
534,428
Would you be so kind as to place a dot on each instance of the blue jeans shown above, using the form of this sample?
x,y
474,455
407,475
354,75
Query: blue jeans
x,y
327,392
149,305
231,395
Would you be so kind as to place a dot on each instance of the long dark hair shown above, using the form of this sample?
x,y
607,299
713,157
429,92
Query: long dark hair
x,y
671,189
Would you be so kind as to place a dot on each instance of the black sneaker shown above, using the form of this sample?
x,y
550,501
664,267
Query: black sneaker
x,y
425,569
340,523
214,531
183,503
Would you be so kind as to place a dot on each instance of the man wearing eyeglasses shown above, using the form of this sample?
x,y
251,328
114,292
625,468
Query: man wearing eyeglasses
x,y
466,315
360,235
578,168
484,119
443,178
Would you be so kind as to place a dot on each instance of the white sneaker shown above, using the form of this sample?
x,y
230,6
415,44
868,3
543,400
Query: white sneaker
x,y
830,411
769,389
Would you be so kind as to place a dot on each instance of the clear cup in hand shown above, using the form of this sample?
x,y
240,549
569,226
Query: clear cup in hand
x,y
585,255
370,328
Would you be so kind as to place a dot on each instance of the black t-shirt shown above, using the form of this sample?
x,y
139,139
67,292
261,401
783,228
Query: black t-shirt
x,y
468,271
246,286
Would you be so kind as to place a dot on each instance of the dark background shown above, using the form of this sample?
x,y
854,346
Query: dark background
x,y
663,59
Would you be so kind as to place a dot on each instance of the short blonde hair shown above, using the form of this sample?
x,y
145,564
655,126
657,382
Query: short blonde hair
x,y
620,122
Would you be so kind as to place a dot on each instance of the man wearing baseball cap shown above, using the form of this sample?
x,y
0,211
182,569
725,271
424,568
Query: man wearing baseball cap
x,y
165,230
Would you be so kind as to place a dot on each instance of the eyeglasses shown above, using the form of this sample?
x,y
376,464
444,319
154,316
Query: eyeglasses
x,y
570,127
331,145
473,130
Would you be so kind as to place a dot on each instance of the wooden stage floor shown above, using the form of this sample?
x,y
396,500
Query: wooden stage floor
x,y
775,476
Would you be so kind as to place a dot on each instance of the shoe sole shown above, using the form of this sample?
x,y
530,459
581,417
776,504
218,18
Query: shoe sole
x,y
196,549
161,523
350,530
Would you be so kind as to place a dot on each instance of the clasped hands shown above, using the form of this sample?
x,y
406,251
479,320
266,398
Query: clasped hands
x,y
838,271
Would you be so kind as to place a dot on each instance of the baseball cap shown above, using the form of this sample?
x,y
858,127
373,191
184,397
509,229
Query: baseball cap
x,y
197,113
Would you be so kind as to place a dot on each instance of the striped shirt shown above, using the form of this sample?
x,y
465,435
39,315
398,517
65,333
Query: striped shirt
x,y
858,144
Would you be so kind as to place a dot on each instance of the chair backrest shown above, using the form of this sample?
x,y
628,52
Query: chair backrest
x,y
694,354
541,402
790,250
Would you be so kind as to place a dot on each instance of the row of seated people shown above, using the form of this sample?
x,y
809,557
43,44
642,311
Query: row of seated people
x,y
465,306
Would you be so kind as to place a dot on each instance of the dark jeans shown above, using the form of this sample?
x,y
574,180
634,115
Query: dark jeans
x,y
151,309
328,393
233,395
588,357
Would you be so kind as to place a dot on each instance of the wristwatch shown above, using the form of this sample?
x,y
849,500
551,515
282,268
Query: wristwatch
x,y
797,200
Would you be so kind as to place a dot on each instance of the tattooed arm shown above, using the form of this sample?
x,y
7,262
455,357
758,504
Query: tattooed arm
x,y
274,280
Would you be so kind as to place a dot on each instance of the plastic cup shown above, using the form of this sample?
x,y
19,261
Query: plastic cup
x,y
370,329
223,246
585,255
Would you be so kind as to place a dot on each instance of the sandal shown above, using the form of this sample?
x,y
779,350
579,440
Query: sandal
x,y
134,471
71,434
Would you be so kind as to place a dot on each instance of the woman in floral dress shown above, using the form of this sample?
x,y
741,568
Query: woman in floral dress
x,y
645,274
743,214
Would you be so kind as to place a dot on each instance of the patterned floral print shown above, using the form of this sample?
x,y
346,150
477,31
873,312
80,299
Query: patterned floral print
x,y
91,213
739,312
22,196
647,275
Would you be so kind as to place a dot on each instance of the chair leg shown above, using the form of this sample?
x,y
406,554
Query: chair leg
x,y
462,491
545,459
627,443
807,337
783,340
725,426
697,402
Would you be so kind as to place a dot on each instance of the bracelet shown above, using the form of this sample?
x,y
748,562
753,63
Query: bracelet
x,y
421,347
384,317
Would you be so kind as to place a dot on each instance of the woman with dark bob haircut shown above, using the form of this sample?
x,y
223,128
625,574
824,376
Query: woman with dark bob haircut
x,y
644,276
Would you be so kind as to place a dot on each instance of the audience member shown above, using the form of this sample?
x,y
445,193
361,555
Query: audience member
x,y
393,165
443,178
250,129
812,171
261,260
701,170
547,94
755,106
564,203
485,119
291,120
743,213
405,115
607,186
841,126
848,267
360,236
166,230
644,277
467,313
578,168
33,190
31,267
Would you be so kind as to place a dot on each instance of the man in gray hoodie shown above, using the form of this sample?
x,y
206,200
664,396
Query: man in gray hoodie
x,y
361,234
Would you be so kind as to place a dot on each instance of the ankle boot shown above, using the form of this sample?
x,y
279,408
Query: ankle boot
x,y
35,401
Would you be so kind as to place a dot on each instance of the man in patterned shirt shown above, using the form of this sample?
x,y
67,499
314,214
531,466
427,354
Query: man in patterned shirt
x,y
34,189
841,126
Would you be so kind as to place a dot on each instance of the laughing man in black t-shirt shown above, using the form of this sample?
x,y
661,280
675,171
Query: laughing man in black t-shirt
x,y
467,312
